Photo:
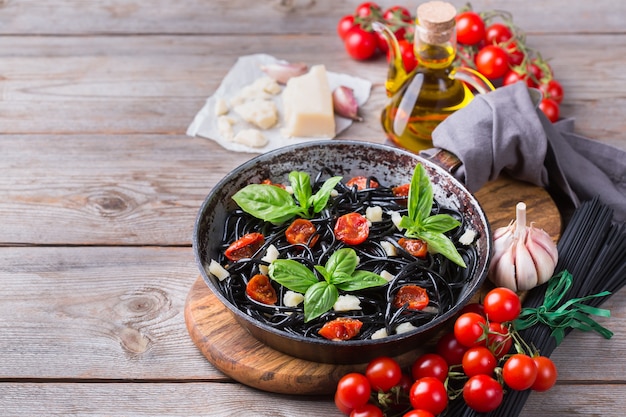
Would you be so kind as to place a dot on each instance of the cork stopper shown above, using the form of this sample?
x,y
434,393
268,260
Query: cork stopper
x,y
436,19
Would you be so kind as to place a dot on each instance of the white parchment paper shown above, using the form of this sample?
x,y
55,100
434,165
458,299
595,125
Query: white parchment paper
x,y
246,70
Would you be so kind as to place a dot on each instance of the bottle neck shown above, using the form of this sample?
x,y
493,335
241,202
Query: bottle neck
x,y
435,50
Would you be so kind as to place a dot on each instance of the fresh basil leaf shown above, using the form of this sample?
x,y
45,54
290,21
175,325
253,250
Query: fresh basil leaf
x,y
319,200
407,224
301,184
440,243
266,202
344,261
292,275
361,280
440,223
420,200
323,272
318,299
340,279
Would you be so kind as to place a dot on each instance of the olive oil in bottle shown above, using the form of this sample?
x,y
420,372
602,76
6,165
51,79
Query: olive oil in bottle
x,y
431,93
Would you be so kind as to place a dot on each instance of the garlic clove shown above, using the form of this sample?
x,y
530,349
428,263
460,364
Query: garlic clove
x,y
502,239
345,104
545,241
525,271
281,72
542,258
502,273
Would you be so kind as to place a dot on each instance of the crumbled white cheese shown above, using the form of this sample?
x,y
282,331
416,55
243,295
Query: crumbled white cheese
x,y
289,189
334,193
225,127
387,276
271,254
389,248
467,238
374,214
405,327
250,137
262,88
292,298
221,108
396,218
218,270
347,303
261,113
379,334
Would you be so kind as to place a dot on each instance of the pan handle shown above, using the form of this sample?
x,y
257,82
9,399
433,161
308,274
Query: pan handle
x,y
446,160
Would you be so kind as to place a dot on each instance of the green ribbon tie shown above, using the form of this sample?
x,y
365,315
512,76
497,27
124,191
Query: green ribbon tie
x,y
573,313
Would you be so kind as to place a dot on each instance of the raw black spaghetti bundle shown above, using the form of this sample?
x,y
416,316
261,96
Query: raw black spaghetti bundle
x,y
593,250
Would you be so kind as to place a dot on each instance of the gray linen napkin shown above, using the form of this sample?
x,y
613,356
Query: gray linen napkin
x,y
504,132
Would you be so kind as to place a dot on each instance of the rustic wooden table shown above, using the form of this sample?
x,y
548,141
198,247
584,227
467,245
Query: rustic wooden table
x,y
100,187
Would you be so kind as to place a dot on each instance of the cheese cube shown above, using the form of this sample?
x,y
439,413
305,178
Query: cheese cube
x,y
250,137
261,113
308,105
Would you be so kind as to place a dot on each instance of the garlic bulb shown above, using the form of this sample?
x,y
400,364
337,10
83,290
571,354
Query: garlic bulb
x,y
283,71
345,104
524,256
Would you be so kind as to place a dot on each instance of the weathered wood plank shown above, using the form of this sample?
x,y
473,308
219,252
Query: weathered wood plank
x,y
101,313
231,400
272,16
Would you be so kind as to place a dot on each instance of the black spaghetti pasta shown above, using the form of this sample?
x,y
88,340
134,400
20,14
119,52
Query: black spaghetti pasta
x,y
443,280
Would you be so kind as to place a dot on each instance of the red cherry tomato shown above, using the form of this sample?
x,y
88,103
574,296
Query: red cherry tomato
x,y
418,413
429,394
367,9
535,71
342,328
408,55
360,44
397,13
368,410
546,374
519,372
550,108
415,296
497,33
473,308
415,247
513,76
515,54
345,24
302,231
470,28
353,391
482,393
260,289
430,364
469,328
352,229
479,360
245,246
502,305
450,349
499,341
383,373
341,406
362,182
492,62
552,90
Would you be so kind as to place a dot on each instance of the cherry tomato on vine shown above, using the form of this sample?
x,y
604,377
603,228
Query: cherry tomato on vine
x,y
341,406
550,108
415,296
468,328
535,71
353,391
352,228
367,9
514,76
479,360
408,55
430,364
302,231
383,373
260,289
245,246
344,25
497,33
519,372
368,410
546,374
473,308
397,13
429,394
470,28
450,349
499,341
418,413
360,44
552,90
515,54
482,393
492,61
502,305
342,328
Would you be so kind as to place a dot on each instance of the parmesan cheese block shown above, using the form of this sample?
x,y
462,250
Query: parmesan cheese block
x,y
308,105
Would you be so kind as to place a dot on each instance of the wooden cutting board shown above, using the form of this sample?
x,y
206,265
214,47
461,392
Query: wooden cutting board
x,y
232,350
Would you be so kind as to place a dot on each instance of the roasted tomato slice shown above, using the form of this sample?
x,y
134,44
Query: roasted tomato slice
x,y
352,228
401,190
245,246
342,328
260,289
268,182
415,247
362,182
414,295
302,231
